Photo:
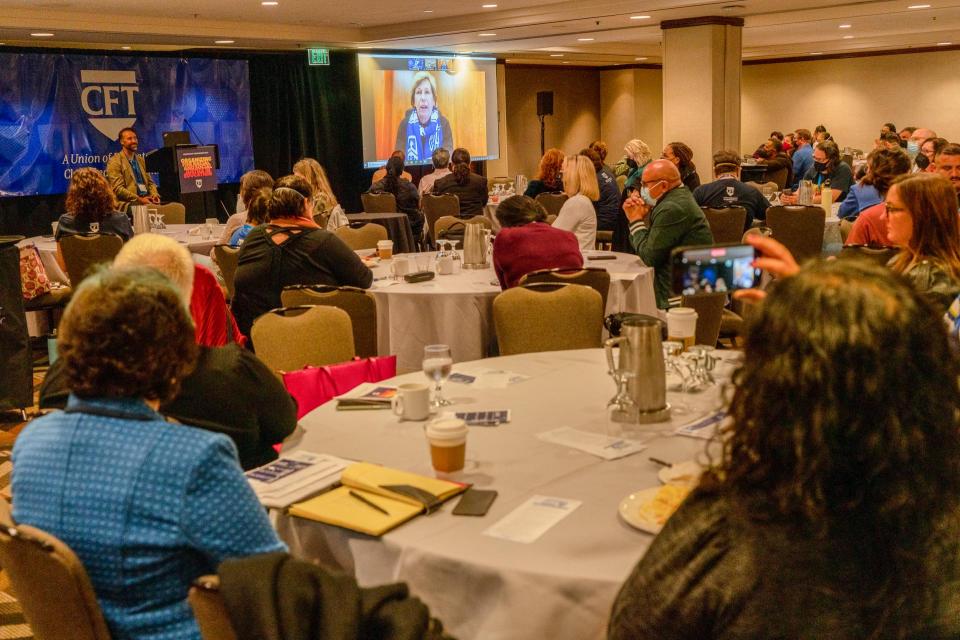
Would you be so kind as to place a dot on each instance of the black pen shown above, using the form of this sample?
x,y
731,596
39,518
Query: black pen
x,y
369,503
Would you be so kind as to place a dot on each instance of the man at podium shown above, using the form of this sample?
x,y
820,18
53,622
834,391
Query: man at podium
x,y
127,174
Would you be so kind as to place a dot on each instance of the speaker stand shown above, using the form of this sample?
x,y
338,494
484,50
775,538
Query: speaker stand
x,y
542,147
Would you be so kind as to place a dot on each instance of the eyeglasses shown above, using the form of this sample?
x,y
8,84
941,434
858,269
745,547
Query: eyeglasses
x,y
650,184
890,209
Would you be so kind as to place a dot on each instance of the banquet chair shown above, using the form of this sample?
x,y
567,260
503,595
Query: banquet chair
x,y
604,240
709,308
551,219
500,180
726,224
360,305
173,213
778,176
365,236
379,202
621,183
596,278
446,227
799,229
82,251
548,317
291,338
552,202
227,258
50,582
436,207
209,609
880,255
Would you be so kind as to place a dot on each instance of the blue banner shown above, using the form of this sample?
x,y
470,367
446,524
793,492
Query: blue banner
x,y
62,112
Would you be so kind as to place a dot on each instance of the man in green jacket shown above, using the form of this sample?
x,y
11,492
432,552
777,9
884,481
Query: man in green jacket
x,y
664,215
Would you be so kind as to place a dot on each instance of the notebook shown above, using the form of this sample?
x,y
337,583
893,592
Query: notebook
x,y
408,496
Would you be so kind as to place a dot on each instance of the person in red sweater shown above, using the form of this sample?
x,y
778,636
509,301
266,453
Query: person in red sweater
x,y
527,243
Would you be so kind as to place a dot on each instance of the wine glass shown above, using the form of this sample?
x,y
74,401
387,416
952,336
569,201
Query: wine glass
x,y
437,363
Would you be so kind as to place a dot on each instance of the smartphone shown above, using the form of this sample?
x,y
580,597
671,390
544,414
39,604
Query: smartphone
x,y
474,502
713,268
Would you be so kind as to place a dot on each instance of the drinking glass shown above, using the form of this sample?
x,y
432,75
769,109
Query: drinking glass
x,y
437,363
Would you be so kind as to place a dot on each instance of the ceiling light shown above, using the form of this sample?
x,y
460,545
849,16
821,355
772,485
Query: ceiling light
x,y
42,34
816,53
944,44
428,10
640,59
556,55
848,37
584,39
639,17
269,3
489,6
565,62
844,26
486,35
125,48
223,41
919,6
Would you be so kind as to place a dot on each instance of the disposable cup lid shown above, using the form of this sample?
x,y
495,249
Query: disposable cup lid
x,y
447,430
682,311
384,243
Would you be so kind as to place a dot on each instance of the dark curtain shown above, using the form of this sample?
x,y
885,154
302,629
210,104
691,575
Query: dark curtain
x,y
302,111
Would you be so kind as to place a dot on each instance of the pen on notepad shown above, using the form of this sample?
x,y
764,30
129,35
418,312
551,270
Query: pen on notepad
x,y
369,503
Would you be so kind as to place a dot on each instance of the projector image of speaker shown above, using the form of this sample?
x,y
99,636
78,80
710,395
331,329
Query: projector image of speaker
x,y
545,103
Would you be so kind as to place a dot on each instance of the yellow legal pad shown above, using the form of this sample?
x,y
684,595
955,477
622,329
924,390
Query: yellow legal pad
x,y
341,509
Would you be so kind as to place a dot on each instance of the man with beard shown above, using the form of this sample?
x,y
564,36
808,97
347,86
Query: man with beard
x,y
127,174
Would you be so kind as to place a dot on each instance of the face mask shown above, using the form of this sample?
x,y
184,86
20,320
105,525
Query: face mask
x,y
913,148
631,163
649,199
820,167
923,162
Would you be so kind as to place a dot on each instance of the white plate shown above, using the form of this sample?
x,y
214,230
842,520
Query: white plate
x,y
685,473
630,510
365,253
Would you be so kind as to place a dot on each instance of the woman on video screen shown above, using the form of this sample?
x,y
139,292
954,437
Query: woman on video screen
x,y
423,130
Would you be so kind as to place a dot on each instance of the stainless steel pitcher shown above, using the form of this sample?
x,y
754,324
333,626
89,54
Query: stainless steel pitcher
x,y
474,247
641,352
141,219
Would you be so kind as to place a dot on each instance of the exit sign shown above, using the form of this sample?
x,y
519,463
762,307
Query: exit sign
x,y
318,56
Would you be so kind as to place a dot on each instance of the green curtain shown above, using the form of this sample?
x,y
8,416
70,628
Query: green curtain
x,y
301,111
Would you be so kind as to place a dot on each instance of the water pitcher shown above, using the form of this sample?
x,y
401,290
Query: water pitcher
x,y
474,247
641,352
141,219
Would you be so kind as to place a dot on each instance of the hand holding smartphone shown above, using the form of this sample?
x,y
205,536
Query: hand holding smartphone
x,y
713,269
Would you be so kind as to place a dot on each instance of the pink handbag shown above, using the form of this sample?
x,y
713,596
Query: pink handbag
x,y
312,386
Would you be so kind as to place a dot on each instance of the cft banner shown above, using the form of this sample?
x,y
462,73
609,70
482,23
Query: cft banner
x,y
60,112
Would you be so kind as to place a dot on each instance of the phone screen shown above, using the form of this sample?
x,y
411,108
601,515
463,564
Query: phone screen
x,y
713,269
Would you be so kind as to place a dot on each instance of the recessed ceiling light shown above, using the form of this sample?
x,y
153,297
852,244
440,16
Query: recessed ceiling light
x,y
640,59
844,26
489,6
223,41
428,10
639,17
125,48
848,37
944,44
919,6
565,62
556,55
42,34
816,53
486,35
584,39
269,3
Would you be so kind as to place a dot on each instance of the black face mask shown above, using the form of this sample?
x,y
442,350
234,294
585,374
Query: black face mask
x,y
922,162
632,163
820,167
769,154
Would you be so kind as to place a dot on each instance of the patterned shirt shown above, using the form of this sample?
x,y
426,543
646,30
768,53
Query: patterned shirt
x,y
147,506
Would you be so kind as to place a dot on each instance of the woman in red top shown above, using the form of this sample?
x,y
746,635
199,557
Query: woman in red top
x,y
527,243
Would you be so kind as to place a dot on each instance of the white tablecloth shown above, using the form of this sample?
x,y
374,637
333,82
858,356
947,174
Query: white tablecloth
x,y
198,244
457,310
562,585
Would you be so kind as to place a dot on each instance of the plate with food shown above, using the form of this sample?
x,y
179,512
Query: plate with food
x,y
648,510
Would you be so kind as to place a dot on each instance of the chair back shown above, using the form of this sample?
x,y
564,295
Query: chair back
x,y
880,255
50,582
551,219
726,224
621,183
594,277
360,305
379,202
548,317
291,338
500,180
778,176
365,236
210,610
552,202
436,207
604,240
800,229
173,213
453,228
709,308
82,251
227,258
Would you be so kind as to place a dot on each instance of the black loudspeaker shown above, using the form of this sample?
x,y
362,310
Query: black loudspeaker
x,y
545,103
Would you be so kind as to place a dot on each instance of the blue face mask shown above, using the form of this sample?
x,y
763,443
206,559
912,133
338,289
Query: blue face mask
x,y
649,199
913,148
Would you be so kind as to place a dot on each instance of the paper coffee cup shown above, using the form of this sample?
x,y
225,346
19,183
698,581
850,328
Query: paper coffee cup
x,y
412,401
448,444
682,325
385,249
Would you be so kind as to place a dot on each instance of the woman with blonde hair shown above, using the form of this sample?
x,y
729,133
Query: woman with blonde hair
x,y
326,210
636,156
922,221
423,128
577,213
547,179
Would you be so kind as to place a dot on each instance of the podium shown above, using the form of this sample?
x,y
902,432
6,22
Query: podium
x,y
188,174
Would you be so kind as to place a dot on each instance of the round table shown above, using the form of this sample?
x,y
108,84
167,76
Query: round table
x,y
562,585
396,224
457,310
